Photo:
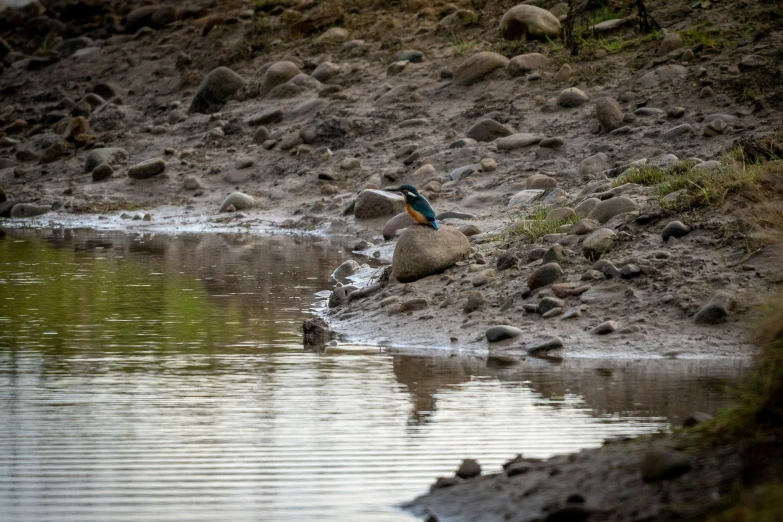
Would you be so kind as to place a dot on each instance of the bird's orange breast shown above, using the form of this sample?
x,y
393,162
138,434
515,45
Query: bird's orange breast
x,y
418,217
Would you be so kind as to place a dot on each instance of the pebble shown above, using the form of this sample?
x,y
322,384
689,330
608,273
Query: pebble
x,y
545,275
572,313
543,343
609,114
488,165
475,301
147,169
540,182
607,209
350,164
604,328
606,268
488,130
191,183
237,200
662,464
594,164
462,143
243,163
501,332
674,229
548,303
598,243
102,172
630,271
478,66
716,311
572,97
468,469
555,254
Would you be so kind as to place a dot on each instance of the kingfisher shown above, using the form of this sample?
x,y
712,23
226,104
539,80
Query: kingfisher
x,y
417,206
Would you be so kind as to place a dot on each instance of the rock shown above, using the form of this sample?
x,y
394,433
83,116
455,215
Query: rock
x,y
445,482
464,171
525,198
610,115
401,94
609,208
109,155
572,97
476,67
373,203
606,268
238,200
483,277
79,126
709,166
597,243
671,42
543,344
506,260
530,22
716,311
679,132
409,55
325,72
751,61
583,226
277,74
468,469
525,63
630,271
4,49
607,26
545,275
102,172
594,164
501,333
423,251
540,182
340,295
555,254
350,164
469,230
674,229
488,130
28,210
561,214
605,328
261,135
147,169
56,151
399,222
564,73
663,74
316,333
347,268
585,207
267,116
462,143
191,183
488,164
138,18
550,303
215,89
695,418
518,141
661,464
475,301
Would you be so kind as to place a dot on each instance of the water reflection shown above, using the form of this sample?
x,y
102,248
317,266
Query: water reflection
x,y
162,378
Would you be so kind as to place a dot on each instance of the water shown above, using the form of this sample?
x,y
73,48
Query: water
x,y
162,378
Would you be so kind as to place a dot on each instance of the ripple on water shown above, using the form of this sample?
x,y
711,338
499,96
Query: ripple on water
x,y
167,382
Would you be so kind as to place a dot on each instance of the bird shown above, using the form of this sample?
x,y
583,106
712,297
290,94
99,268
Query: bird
x,y
417,206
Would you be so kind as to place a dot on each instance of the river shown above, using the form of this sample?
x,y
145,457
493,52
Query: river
x,y
155,377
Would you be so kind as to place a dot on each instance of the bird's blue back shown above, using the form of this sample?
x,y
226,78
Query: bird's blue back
x,y
422,206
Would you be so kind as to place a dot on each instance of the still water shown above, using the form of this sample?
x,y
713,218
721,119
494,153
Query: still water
x,y
162,378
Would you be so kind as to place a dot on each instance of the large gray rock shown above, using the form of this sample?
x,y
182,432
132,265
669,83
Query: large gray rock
x,y
715,311
488,130
108,155
519,141
325,71
478,66
545,275
525,198
597,243
609,114
572,97
237,200
528,21
540,182
316,333
594,164
662,464
28,210
215,89
663,74
424,251
373,203
671,42
277,74
147,169
399,222
609,208
525,63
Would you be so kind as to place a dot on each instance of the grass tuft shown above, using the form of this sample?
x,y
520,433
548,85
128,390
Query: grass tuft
x,y
461,46
534,226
